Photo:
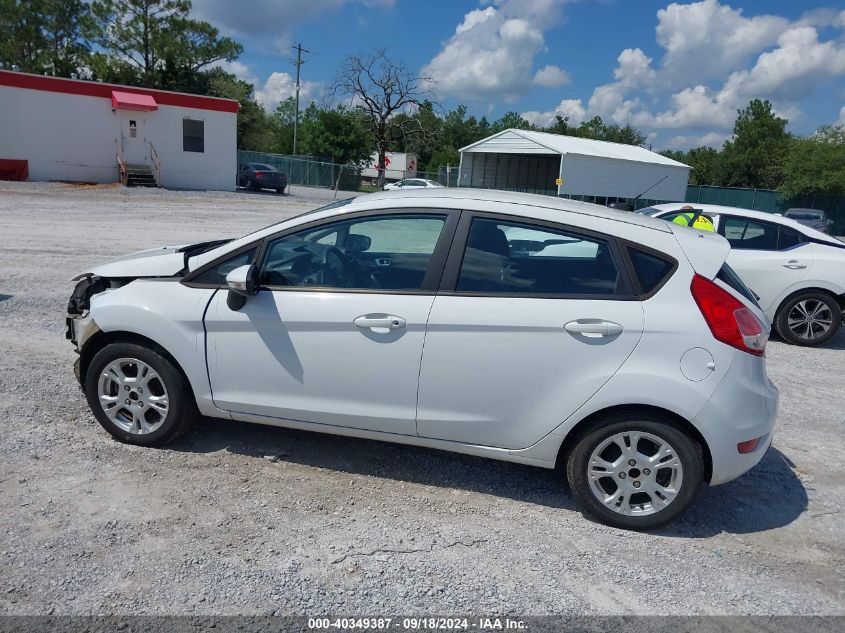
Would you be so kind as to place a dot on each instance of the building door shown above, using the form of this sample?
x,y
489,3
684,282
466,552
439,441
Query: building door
x,y
133,135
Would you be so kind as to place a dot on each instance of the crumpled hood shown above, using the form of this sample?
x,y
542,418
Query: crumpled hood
x,y
162,261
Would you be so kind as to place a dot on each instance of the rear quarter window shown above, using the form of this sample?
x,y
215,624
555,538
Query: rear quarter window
x,y
651,269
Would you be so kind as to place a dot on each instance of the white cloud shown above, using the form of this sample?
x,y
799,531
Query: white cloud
x,y
551,77
239,70
280,86
634,69
572,109
708,39
793,69
682,142
491,53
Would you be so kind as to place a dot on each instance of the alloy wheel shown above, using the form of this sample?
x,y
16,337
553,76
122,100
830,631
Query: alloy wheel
x,y
635,473
133,396
810,319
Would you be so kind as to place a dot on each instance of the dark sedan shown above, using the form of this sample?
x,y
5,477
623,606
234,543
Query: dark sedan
x,y
814,218
257,176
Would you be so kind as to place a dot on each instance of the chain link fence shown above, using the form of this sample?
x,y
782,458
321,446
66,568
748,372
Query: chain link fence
x,y
312,172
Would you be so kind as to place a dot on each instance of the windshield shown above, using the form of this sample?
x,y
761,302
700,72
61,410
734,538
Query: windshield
x,y
804,215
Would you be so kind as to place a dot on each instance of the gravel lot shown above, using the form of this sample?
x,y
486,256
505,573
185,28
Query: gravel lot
x,y
237,518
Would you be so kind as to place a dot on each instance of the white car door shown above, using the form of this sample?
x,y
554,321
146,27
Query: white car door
x,y
336,331
767,256
530,322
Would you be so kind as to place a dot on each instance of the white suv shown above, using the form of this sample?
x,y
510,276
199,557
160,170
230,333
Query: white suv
x,y
523,328
797,272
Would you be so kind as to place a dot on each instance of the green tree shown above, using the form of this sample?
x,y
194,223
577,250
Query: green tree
x,y
815,164
154,42
703,162
510,120
254,130
22,41
281,125
340,135
756,154
44,36
383,88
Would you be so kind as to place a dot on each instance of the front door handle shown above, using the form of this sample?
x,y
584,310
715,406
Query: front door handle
x,y
380,322
794,264
593,328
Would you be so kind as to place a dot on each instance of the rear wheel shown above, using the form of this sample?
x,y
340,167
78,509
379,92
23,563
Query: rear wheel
x,y
280,190
636,473
808,319
138,395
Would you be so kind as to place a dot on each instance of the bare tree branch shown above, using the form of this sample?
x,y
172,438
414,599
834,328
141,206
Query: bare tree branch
x,y
381,87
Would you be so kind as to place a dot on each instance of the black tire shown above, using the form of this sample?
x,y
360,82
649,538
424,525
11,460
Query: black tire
x,y
181,410
251,186
813,299
686,449
280,190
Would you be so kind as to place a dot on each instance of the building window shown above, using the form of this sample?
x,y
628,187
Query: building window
x,y
193,135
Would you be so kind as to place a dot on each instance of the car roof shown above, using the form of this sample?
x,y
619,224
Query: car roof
x,y
527,205
533,205
718,209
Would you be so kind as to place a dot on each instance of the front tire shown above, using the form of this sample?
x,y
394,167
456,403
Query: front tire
x,y
808,319
138,395
635,473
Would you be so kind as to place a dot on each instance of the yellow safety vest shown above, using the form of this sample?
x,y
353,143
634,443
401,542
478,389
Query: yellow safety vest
x,y
702,222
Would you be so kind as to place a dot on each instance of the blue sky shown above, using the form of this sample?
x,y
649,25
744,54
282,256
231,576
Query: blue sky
x,y
677,71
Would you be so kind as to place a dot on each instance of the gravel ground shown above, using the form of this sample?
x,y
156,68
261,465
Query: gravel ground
x,y
237,518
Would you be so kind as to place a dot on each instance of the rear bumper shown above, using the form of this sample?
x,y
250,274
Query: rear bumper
x,y
270,183
743,407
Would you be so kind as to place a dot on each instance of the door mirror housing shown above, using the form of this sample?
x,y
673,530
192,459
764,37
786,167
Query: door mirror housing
x,y
242,282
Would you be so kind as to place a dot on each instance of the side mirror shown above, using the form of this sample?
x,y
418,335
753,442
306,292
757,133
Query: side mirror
x,y
242,282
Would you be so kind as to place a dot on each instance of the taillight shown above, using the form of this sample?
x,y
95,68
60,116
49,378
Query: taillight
x,y
729,320
259,174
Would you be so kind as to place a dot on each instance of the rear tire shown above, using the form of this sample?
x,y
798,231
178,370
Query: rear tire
x,y
635,471
808,319
280,190
138,395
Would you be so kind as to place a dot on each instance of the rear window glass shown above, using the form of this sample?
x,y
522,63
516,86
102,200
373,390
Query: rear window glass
x,y
260,166
651,269
727,275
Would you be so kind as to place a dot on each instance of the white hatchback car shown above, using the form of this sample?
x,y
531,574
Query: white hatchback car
x,y
412,183
523,328
797,273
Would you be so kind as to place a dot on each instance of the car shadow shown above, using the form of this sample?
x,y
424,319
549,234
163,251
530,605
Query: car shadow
x,y
768,497
837,342
261,192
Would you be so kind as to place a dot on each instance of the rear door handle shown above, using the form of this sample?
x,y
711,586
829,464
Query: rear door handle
x,y
380,322
593,328
794,264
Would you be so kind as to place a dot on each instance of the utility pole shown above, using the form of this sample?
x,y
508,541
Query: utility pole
x,y
299,50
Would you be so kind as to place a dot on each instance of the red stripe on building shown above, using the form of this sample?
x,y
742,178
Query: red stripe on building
x,y
96,89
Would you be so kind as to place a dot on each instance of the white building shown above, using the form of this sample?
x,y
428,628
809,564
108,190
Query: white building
x,y
83,131
538,162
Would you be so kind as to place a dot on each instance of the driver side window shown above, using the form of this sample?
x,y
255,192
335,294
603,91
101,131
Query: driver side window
x,y
379,253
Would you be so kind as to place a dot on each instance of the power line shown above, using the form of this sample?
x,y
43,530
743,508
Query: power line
x,y
299,50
